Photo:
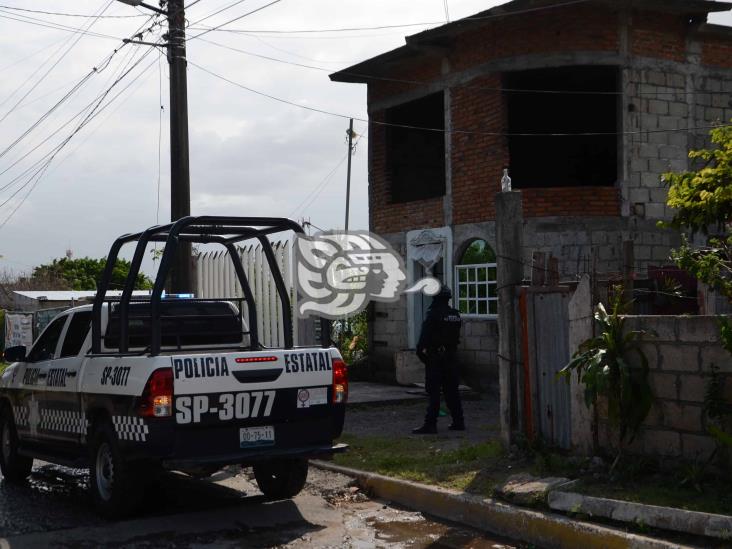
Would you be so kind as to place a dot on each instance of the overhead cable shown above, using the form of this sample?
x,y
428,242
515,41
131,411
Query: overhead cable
x,y
404,25
64,14
442,130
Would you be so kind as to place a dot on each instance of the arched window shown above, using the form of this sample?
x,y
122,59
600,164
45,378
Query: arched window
x,y
475,276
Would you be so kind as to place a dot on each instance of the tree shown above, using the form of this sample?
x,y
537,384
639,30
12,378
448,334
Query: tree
x,y
85,272
702,200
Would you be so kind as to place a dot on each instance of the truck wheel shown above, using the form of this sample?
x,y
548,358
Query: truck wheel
x,y
14,467
115,489
281,479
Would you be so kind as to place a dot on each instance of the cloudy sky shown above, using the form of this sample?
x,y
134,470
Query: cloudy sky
x,y
250,155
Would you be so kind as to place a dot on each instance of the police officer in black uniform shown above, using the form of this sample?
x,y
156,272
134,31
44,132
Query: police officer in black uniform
x,y
437,349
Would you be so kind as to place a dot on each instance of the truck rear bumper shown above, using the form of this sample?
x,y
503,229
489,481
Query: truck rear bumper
x,y
252,457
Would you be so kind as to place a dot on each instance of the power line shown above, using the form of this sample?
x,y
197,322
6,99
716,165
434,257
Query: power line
x,y
96,110
318,188
56,26
32,55
79,114
235,19
216,12
321,31
327,180
442,130
64,14
465,86
105,62
61,57
404,25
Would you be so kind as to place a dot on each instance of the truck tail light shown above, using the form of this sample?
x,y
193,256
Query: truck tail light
x,y
340,381
157,398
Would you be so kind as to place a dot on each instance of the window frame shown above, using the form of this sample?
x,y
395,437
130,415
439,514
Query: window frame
x,y
475,283
64,318
65,334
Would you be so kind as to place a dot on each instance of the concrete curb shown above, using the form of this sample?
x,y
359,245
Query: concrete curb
x,y
544,529
668,518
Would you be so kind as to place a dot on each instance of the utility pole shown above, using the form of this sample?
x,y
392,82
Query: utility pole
x,y
348,177
180,180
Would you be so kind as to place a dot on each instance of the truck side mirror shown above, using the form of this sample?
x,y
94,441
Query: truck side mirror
x,y
15,354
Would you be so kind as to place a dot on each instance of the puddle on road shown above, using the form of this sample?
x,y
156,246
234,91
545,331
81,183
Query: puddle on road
x,y
409,530
416,535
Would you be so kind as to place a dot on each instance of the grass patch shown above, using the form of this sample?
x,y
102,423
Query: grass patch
x,y
471,468
3,365
668,492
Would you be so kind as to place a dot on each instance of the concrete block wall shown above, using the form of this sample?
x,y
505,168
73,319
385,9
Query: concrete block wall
x,y
667,97
572,241
680,359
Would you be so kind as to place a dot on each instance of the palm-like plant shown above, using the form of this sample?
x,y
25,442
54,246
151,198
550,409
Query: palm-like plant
x,y
603,365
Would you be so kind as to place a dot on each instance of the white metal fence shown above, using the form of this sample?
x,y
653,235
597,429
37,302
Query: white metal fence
x,y
216,278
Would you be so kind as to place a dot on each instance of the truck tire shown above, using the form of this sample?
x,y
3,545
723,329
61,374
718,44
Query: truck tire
x,y
14,467
281,479
115,488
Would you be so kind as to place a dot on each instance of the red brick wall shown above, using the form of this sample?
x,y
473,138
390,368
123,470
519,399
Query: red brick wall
x,y
477,159
717,52
659,35
571,201
571,28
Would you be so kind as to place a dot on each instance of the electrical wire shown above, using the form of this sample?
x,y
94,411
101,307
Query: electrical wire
x,y
318,187
462,86
218,11
62,55
99,68
64,14
453,131
272,3
268,58
55,26
325,183
95,111
32,55
78,115
404,25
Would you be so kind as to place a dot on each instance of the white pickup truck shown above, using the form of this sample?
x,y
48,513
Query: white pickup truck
x,y
129,388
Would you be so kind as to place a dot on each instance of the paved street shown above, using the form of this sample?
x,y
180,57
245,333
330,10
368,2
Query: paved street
x,y
226,511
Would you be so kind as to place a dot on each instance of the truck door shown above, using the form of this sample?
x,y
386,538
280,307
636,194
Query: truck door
x,y
64,424
32,382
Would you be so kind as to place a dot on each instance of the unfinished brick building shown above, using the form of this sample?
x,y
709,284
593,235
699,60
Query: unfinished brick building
x,y
586,103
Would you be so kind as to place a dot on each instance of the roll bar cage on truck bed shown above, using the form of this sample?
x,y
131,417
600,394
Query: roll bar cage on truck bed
x,y
173,384
227,231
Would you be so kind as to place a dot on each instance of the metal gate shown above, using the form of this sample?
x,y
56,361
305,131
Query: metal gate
x,y
216,278
545,342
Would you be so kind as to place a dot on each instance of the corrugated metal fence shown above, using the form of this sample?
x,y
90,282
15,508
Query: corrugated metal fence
x,y
216,278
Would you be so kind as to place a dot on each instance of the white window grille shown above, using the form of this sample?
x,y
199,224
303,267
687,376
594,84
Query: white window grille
x,y
477,292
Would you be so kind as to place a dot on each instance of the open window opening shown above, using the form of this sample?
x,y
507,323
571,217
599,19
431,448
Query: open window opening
x,y
563,161
416,149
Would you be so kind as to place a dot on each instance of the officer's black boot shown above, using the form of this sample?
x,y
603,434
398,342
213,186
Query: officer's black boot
x,y
457,426
426,429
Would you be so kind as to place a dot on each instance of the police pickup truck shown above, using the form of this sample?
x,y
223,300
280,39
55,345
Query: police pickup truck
x,y
130,388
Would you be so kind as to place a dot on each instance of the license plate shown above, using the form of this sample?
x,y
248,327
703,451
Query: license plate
x,y
256,436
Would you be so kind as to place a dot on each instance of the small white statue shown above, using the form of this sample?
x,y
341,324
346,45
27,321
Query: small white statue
x,y
505,182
